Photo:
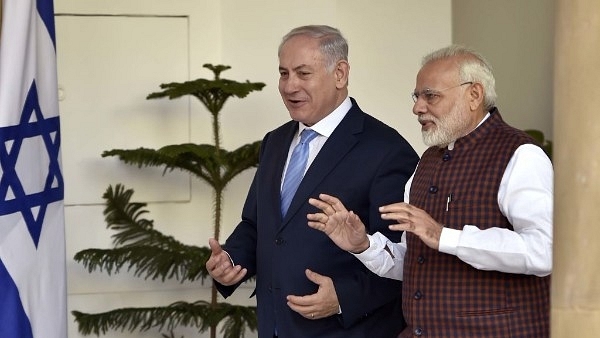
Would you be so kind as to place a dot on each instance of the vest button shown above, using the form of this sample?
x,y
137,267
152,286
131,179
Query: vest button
x,y
433,189
418,331
446,157
418,295
420,259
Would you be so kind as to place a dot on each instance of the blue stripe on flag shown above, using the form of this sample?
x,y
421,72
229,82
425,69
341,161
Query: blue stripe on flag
x,y
14,323
46,10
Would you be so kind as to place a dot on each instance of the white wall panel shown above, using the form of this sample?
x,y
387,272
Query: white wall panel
x,y
107,65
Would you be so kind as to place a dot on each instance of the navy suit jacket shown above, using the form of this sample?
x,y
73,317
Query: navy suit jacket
x,y
366,164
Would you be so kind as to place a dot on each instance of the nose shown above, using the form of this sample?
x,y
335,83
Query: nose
x,y
288,85
420,106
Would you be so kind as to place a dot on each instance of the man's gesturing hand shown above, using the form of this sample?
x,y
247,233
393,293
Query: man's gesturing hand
x,y
323,303
415,220
344,227
221,268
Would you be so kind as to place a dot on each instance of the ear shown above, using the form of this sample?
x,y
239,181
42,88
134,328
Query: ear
x,y
476,96
341,72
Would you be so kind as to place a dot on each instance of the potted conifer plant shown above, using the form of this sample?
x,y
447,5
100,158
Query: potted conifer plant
x,y
149,254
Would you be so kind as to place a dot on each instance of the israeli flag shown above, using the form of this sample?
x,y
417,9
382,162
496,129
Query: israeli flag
x,y
32,238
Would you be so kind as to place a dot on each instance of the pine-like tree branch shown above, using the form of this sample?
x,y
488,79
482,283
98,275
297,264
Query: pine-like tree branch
x,y
201,160
199,314
148,262
140,247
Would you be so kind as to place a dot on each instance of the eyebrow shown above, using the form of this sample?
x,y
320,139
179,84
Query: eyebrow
x,y
295,68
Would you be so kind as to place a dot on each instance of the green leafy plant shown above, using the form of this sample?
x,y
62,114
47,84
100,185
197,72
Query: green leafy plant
x,y
149,254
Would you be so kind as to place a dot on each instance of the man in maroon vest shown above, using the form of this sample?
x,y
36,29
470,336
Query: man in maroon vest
x,y
476,254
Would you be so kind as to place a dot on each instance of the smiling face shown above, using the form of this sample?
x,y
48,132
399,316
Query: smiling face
x,y
310,91
454,111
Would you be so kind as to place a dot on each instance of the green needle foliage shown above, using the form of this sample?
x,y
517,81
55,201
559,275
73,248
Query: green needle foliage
x,y
139,247
200,314
216,167
147,253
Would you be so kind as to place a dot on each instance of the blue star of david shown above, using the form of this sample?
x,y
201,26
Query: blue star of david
x,y
13,197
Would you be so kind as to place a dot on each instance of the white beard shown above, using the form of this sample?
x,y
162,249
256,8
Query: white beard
x,y
447,128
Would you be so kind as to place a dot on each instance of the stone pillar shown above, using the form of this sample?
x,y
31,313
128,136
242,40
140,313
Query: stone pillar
x,y
576,274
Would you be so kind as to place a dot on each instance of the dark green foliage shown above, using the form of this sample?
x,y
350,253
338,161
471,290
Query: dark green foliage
x,y
139,247
215,166
212,93
200,314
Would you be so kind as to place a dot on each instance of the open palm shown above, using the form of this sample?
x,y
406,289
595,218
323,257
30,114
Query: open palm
x,y
344,227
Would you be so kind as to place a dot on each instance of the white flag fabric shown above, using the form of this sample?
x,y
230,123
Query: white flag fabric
x,y
32,234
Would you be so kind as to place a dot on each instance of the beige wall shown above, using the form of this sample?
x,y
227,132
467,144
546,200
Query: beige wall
x,y
102,100
517,38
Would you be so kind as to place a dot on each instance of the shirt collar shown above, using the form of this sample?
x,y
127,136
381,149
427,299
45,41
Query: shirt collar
x,y
327,125
451,145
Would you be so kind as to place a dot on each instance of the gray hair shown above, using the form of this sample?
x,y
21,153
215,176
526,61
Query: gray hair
x,y
473,67
331,42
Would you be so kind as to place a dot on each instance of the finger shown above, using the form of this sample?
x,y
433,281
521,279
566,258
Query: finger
x,y
303,301
400,216
217,266
333,202
314,277
235,274
213,262
394,207
324,205
317,226
215,247
298,302
231,275
305,311
318,203
218,259
401,227
316,217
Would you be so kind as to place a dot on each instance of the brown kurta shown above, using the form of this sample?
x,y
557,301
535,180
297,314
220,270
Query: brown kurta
x,y
443,296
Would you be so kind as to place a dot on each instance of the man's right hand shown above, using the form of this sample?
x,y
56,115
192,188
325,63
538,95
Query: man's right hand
x,y
344,227
220,267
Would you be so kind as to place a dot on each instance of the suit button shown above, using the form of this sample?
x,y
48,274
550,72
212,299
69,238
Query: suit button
x,y
433,189
418,331
278,241
418,295
420,259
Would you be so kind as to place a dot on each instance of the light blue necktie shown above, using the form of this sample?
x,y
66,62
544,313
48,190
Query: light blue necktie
x,y
295,169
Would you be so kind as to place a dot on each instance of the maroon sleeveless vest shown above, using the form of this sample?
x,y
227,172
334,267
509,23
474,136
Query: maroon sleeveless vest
x,y
442,295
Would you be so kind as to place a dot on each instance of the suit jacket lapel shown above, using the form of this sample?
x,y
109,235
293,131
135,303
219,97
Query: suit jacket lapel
x,y
341,141
276,163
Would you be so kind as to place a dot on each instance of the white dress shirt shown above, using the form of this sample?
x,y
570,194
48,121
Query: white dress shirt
x,y
324,128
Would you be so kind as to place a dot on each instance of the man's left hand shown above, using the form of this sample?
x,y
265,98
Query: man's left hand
x,y
415,220
319,305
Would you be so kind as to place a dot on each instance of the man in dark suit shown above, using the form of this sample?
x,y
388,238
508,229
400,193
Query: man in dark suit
x,y
305,285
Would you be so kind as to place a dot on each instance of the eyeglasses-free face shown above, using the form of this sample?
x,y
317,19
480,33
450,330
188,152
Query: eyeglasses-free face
x,y
432,96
